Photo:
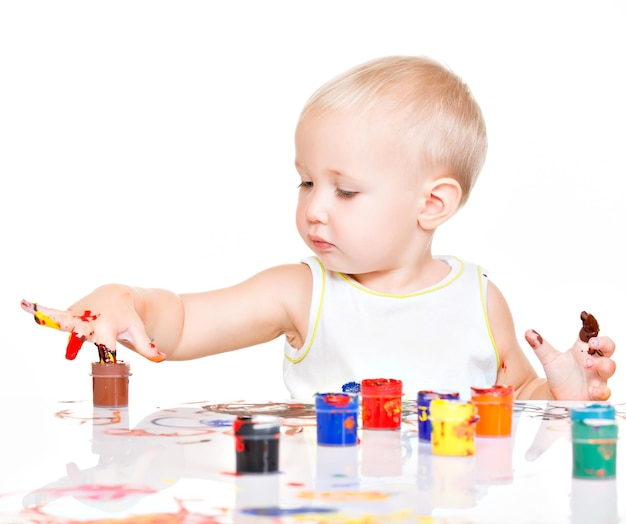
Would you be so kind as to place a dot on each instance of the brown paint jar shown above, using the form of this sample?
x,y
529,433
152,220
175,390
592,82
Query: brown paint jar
x,y
110,383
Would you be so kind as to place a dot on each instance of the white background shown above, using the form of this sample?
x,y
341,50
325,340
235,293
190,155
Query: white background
x,y
151,143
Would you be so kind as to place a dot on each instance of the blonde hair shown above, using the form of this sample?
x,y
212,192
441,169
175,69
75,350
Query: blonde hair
x,y
442,124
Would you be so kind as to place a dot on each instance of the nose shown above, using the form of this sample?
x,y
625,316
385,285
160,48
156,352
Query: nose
x,y
316,208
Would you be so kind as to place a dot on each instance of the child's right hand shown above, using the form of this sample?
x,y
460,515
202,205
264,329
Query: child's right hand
x,y
104,317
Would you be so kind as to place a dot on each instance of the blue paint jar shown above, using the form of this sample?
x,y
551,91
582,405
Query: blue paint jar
x,y
424,426
337,421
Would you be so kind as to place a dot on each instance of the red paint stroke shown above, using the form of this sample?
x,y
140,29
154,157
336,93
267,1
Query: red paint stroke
x,y
99,492
143,433
337,400
102,421
74,344
182,516
87,316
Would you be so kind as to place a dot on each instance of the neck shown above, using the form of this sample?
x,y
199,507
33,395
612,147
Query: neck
x,y
423,273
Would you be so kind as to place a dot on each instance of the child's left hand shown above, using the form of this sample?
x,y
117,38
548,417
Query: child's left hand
x,y
580,373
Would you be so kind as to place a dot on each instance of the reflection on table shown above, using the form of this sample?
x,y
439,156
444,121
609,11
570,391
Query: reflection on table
x,y
69,462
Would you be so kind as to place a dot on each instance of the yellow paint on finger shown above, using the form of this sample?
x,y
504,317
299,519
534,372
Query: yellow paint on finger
x,y
45,320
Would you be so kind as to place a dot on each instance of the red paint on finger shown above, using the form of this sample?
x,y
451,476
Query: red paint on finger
x,y
74,344
87,316
160,357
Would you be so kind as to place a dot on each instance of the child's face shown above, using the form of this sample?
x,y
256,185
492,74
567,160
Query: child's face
x,y
358,205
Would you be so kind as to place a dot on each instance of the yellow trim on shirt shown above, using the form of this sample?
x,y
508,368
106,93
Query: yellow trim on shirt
x,y
355,284
306,350
483,301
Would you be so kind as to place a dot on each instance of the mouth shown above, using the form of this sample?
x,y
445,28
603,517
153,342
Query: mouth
x,y
319,242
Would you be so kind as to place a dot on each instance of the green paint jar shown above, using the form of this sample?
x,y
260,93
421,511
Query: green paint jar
x,y
594,448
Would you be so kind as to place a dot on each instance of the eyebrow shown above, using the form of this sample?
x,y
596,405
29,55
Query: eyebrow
x,y
332,172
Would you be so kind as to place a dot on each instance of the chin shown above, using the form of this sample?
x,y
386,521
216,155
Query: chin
x,y
334,265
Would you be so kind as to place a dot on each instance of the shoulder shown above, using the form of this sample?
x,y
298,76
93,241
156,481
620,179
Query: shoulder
x,y
500,318
291,287
291,278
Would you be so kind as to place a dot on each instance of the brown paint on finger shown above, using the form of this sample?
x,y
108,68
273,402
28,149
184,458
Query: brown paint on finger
x,y
590,328
535,341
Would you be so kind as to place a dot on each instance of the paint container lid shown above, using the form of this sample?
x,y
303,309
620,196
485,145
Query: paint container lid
x,y
336,401
603,411
256,426
381,386
427,394
497,390
110,369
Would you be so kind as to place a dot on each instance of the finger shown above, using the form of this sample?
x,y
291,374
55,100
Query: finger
x,y
74,343
106,355
136,338
52,318
601,392
601,346
544,351
104,340
603,366
143,345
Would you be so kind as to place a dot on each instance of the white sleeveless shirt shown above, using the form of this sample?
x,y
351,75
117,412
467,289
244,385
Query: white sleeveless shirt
x,y
433,339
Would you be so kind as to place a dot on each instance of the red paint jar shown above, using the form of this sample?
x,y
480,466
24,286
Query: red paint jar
x,y
381,403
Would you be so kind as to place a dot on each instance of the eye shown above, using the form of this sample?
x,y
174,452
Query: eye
x,y
305,184
345,194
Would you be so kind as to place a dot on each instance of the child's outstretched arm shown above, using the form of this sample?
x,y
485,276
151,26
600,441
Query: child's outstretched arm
x,y
160,324
576,374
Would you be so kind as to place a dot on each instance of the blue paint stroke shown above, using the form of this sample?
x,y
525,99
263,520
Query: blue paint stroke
x,y
351,387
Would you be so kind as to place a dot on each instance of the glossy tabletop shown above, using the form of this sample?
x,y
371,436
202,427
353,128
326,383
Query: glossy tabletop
x,y
68,462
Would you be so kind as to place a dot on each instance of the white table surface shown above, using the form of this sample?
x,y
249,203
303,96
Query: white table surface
x,y
68,462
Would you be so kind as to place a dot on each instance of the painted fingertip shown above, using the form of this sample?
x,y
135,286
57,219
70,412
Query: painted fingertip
x,y
601,394
594,343
588,363
74,343
535,341
160,357
28,306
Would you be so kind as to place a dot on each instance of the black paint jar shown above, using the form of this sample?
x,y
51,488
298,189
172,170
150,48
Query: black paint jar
x,y
257,440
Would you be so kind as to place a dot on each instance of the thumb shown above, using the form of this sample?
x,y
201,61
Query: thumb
x,y
544,351
137,339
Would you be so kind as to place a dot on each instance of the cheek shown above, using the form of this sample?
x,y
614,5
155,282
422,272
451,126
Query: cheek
x,y
300,218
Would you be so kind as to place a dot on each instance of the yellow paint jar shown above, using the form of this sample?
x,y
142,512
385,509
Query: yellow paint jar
x,y
453,427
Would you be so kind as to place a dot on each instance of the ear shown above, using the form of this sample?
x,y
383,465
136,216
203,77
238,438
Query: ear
x,y
442,198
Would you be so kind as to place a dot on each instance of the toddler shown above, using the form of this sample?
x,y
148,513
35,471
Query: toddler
x,y
385,153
